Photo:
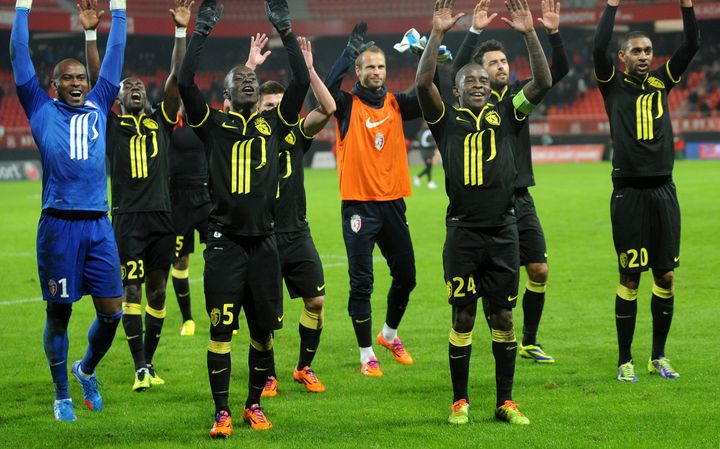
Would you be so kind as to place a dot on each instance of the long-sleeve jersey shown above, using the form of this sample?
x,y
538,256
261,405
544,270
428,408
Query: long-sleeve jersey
x,y
71,140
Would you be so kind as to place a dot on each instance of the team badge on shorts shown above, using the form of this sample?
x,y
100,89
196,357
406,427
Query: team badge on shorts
x,y
52,287
355,223
379,141
215,316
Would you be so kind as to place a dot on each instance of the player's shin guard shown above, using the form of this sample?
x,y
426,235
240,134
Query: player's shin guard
x,y
181,284
100,338
504,349
260,361
154,320
662,306
459,349
219,367
625,316
533,303
310,328
133,325
397,301
55,342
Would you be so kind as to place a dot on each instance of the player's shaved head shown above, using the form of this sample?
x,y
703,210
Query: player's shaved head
x,y
64,65
241,88
70,80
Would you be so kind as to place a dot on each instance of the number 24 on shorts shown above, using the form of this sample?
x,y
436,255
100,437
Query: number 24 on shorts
x,y
458,287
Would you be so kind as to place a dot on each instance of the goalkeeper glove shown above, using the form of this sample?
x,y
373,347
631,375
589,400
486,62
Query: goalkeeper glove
x,y
278,13
208,16
356,43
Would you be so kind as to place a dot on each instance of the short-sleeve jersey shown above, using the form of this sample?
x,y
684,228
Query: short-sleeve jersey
x,y
290,208
479,164
188,158
640,125
372,159
522,149
71,142
243,160
139,153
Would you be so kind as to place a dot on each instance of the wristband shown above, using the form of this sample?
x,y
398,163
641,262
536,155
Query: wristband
x,y
90,35
475,30
117,4
180,32
23,4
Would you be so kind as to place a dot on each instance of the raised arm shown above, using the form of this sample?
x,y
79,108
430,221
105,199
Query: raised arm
x,y
30,94
356,45
256,57
559,65
429,97
480,21
521,21
604,68
111,68
680,60
289,109
90,19
181,16
196,108
318,117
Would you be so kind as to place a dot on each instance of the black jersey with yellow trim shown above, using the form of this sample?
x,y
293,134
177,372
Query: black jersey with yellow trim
x,y
520,142
243,161
290,208
479,163
640,124
188,159
138,148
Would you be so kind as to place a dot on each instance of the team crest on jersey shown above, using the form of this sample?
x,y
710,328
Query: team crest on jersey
x,y
493,118
656,82
355,223
262,126
150,123
379,141
215,316
290,138
52,287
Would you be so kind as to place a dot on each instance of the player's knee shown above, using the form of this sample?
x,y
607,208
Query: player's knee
x,y
501,318
537,272
463,321
182,263
133,293
359,306
314,305
156,297
665,280
631,281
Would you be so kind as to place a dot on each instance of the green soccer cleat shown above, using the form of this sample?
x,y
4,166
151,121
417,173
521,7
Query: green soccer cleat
x,y
626,372
459,412
662,367
509,412
142,380
536,353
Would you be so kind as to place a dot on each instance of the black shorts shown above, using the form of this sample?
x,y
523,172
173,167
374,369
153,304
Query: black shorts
x,y
145,243
530,232
243,273
300,264
646,227
190,210
482,262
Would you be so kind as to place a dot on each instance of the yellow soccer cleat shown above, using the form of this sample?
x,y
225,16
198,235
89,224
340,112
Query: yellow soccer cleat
x,y
188,328
509,412
142,380
459,412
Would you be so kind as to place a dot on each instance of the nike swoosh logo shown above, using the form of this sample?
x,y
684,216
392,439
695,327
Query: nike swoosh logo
x,y
58,363
157,335
676,258
511,348
132,336
225,125
461,120
455,357
260,369
310,350
280,318
512,298
320,287
218,371
123,123
362,321
623,316
667,313
371,125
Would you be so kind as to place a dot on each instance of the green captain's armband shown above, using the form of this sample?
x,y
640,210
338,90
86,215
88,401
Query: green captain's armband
x,y
522,104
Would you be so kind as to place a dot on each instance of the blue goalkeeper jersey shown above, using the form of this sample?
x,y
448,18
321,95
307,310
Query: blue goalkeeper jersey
x,y
72,146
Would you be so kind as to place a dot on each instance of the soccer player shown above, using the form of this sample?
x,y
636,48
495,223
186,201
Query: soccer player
x,y
644,209
426,145
481,253
533,252
299,260
242,266
374,178
190,209
138,147
76,250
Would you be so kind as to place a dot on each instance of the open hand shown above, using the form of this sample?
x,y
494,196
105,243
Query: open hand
x,y
520,17
89,15
481,20
550,15
443,19
181,14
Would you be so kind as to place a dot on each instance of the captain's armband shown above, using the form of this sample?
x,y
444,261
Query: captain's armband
x,y
522,104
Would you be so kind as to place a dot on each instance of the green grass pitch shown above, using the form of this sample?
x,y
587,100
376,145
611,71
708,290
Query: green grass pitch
x,y
576,403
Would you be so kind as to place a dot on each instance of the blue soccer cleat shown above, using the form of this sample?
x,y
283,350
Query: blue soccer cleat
x,y
91,395
626,373
662,366
64,410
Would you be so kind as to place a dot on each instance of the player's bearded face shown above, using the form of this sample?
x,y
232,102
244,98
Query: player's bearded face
x,y
473,88
372,73
496,64
243,88
133,95
637,55
72,84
